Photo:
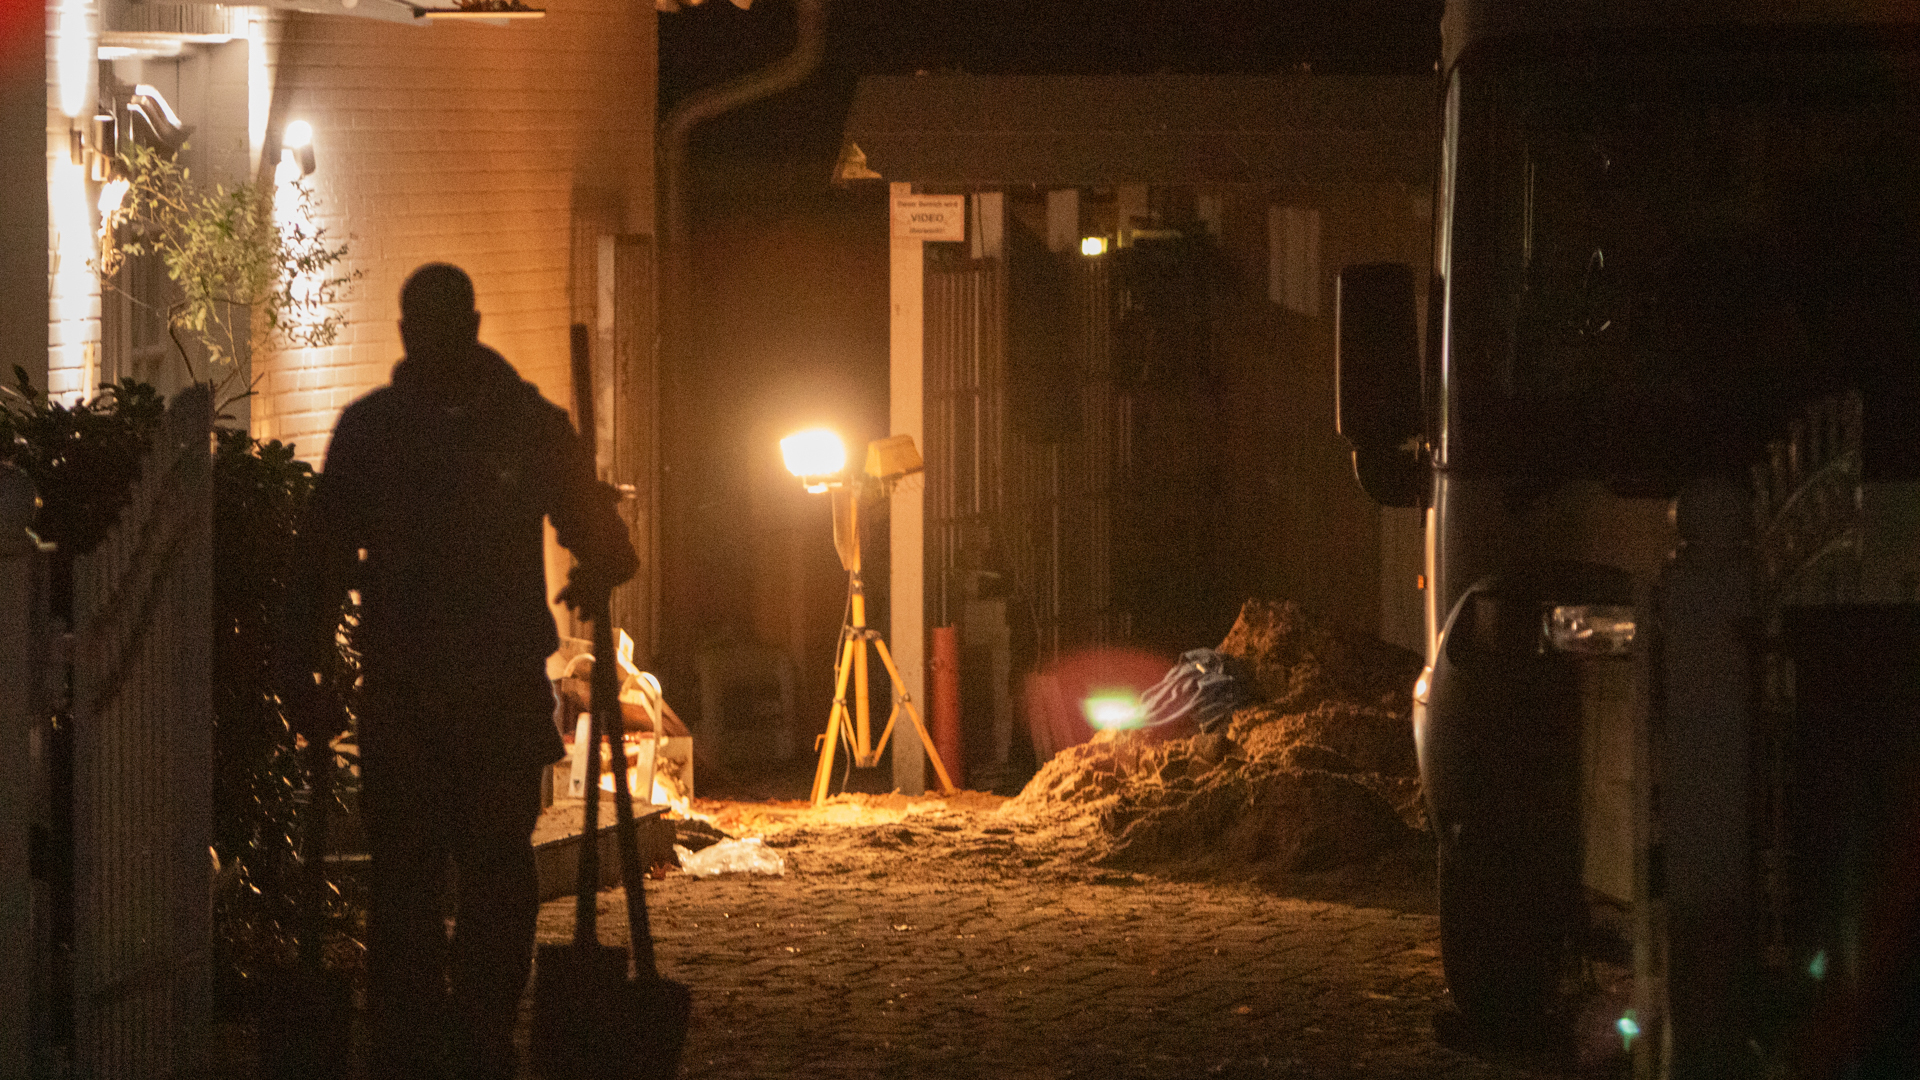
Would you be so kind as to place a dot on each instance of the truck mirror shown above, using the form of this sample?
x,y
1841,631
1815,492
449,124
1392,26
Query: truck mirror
x,y
1391,476
1377,380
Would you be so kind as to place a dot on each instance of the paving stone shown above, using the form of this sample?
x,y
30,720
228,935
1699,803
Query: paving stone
x,y
1009,979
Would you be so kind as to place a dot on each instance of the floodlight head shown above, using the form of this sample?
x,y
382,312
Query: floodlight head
x,y
816,456
893,457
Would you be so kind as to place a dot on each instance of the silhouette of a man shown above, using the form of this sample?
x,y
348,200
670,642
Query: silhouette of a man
x,y
431,505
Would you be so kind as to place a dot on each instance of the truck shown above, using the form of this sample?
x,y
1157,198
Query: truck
x,y
1664,426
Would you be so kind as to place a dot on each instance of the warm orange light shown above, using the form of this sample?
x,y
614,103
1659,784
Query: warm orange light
x,y
816,456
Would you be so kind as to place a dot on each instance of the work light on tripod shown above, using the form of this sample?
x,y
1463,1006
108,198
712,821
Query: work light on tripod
x,y
819,459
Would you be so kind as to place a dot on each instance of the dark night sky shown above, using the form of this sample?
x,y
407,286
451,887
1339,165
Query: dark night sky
x,y
702,46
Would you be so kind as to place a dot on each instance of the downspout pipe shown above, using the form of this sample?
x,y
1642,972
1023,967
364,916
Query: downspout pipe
x,y
677,134
676,300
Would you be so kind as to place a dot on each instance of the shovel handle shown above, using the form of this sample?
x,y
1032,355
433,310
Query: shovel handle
x,y
606,723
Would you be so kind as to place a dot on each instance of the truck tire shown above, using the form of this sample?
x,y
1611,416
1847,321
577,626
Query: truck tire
x,y
1502,943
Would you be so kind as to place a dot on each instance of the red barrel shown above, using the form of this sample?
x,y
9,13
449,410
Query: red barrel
x,y
946,702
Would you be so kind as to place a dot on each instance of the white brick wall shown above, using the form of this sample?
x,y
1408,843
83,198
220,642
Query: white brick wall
x,y
73,289
464,144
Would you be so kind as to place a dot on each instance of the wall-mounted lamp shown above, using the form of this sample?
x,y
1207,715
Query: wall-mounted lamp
x,y
90,144
1093,245
297,140
164,125
103,134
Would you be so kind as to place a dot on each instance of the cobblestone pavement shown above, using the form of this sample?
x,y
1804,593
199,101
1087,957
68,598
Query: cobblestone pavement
x,y
882,955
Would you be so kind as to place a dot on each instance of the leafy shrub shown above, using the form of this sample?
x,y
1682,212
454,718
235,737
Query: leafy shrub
x,y
233,259
83,459
260,801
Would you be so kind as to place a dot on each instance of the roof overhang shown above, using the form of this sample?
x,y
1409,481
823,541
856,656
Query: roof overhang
x,y
400,11
962,131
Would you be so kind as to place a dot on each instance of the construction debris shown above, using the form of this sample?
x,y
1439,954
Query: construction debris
x,y
1316,771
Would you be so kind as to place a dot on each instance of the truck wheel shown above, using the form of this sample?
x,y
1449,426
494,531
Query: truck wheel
x,y
1502,942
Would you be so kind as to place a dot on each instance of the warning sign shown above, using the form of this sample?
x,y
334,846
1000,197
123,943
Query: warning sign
x,y
929,217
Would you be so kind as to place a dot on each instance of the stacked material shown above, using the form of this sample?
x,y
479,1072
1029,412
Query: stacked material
x,y
1315,771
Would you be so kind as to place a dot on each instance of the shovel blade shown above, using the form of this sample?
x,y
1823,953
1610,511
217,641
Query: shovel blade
x,y
590,1021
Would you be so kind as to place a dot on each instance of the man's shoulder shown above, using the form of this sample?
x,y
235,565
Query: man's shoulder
x,y
369,413
497,393
517,390
523,407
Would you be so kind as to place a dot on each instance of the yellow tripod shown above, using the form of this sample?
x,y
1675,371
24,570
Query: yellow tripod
x,y
852,722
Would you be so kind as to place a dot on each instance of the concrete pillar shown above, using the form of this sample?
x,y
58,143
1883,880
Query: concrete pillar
x,y
906,592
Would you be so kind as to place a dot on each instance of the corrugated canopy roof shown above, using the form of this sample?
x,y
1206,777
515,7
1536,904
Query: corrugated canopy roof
x,y
968,131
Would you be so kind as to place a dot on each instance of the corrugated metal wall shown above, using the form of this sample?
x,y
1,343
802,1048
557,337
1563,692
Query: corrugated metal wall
x,y
965,428
1038,510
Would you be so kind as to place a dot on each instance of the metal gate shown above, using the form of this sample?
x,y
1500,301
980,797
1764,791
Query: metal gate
x,y
1036,506
964,429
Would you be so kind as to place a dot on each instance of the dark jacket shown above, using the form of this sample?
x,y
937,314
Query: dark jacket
x,y
431,505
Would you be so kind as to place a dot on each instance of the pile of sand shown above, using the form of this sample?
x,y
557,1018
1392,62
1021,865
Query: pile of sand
x,y
1315,772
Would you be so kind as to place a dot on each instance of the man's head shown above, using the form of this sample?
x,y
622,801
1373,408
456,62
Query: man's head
x,y
437,316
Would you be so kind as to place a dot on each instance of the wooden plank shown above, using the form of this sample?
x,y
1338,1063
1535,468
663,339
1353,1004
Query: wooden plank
x,y
557,862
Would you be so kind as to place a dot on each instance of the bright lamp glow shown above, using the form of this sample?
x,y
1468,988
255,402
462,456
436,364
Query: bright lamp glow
x,y
73,56
1093,245
1113,710
112,194
814,455
298,134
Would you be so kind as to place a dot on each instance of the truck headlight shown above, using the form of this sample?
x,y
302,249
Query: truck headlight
x,y
1590,629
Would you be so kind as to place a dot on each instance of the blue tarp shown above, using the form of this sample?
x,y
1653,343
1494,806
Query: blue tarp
x,y
1202,685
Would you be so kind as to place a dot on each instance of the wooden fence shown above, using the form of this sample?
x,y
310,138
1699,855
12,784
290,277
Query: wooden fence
x,y
141,781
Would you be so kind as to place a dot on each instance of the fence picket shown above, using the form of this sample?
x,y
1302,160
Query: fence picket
x,y
142,720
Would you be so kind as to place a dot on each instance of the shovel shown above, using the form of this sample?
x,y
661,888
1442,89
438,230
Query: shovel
x,y
592,1019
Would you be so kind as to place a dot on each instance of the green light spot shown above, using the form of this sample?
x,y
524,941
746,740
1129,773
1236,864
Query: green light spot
x,y
1817,967
1112,710
1628,1028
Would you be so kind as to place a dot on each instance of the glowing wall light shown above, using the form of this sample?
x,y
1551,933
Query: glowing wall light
x,y
74,288
73,55
1093,245
259,90
297,142
293,204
